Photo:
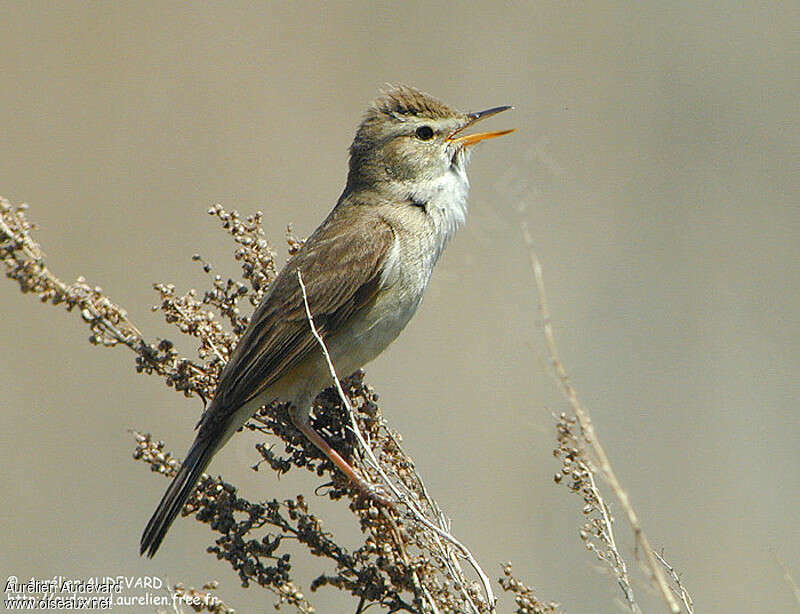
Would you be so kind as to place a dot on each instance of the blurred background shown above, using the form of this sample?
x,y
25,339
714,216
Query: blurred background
x,y
655,161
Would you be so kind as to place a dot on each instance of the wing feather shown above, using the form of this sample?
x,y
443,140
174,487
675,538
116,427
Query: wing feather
x,y
341,265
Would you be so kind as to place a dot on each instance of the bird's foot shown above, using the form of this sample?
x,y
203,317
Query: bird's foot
x,y
380,493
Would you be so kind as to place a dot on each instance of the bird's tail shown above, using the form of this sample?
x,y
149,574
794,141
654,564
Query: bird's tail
x,y
196,461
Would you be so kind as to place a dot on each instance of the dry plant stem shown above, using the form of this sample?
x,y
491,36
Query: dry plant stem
x,y
417,514
586,424
680,589
88,309
787,575
579,472
622,577
416,552
524,596
430,599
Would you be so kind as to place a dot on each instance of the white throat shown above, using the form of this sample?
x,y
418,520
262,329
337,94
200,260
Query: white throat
x,y
445,201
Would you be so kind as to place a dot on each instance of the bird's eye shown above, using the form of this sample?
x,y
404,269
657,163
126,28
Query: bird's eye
x,y
424,133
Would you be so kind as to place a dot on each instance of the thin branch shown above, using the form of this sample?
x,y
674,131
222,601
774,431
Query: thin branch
x,y
787,575
78,294
373,461
415,552
619,562
679,589
582,414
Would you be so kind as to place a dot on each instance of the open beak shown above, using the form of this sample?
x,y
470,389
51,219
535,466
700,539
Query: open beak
x,y
471,139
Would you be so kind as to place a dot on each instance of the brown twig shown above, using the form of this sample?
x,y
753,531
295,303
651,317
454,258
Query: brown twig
x,y
415,553
582,414
440,531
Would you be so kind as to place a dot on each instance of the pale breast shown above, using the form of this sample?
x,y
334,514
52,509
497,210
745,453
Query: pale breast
x,y
406,273
420,233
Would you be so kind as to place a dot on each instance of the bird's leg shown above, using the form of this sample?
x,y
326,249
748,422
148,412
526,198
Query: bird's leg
x,y
302,420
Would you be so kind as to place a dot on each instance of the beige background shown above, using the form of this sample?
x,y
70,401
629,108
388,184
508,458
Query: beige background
x,y
655,160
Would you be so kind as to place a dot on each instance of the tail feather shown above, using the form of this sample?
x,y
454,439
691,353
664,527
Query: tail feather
x,y
172,502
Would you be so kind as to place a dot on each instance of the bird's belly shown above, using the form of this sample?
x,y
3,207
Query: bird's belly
x,y
375,328
361,340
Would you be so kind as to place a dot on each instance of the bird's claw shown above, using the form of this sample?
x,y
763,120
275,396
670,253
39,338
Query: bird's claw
x,y
379,493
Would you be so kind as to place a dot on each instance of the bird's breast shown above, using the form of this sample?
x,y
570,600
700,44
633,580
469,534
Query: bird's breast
x,y
404,278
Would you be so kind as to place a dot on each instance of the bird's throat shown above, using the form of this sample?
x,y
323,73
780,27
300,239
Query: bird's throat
x,y
445,201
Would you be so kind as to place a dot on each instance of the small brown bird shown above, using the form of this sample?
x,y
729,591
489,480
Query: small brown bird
x,y
365,270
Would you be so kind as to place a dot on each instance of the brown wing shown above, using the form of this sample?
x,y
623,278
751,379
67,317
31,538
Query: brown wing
x,y
341,265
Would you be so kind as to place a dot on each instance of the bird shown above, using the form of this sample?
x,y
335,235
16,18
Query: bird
x,y
365,270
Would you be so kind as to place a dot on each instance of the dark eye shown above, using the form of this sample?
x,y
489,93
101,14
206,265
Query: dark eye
x,y
424,133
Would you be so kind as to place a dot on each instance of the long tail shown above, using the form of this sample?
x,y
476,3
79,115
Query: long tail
x,y
197,460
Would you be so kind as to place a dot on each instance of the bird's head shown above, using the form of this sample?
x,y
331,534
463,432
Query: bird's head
x,y
409,138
